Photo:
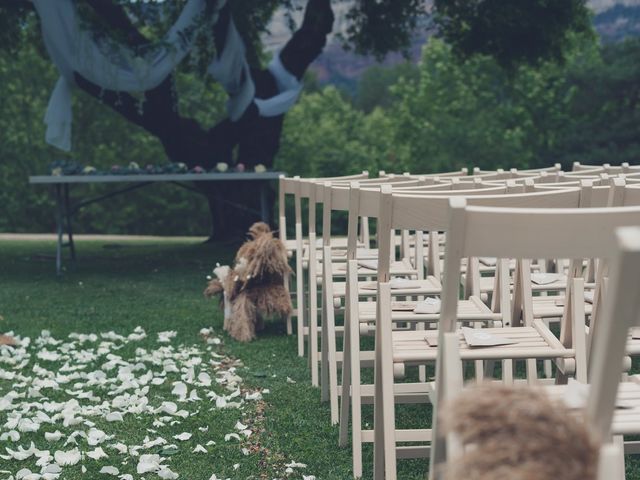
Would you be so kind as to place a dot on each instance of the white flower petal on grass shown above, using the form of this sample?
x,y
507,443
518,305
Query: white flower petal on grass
x,y
148,463
166,474
114,417
96,437
11,435
229,436
165,337
290,380
168,407
183,436
70,457
52,469
119,447
296,465
97,454
236,466
109,470
204,429
240,426
48,355
179,390
205,379
199,449
209,443
126,476
53,436
308,477
253,396
26,474
28,425
138,334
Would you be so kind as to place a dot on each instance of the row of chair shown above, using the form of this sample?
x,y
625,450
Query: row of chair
x,y
528,260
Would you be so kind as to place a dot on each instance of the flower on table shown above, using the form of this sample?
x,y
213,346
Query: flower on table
x,y
182,167
260,168
240,167
56,172
198,169
134,166
88,169
222,167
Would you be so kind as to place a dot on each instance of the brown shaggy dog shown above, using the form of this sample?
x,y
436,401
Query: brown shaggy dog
x,y
518,433
255,287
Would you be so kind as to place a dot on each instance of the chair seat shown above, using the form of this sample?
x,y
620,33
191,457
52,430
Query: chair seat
x,y
553,306
428,286
338,249
626,421
397,268
468,310
536,341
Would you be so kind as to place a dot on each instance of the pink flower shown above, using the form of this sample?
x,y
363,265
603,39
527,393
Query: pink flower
x,y
198,169
240,167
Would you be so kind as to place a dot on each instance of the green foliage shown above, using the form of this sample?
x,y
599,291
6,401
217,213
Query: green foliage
x,y
473,114
605,124
514,32
101,139
453,113
381,26
373,86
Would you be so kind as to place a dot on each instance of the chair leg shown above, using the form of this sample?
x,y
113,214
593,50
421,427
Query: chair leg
x,y
332,366
289,323
313,319
345,403
324,357
300,307
384,408
422,370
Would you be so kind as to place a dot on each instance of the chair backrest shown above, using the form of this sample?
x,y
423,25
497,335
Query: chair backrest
x,y
621,312
292,186
478,231
430,212
463,172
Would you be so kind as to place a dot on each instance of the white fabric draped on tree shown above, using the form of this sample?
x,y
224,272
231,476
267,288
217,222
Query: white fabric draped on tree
x,y
114,66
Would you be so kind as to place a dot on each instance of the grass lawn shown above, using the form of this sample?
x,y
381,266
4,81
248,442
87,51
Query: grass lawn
x,y
158,287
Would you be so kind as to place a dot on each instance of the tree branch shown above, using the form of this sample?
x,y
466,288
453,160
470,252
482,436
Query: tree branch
x,y
117,17
309,40
159,115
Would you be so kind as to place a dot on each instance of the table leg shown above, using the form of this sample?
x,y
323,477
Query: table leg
x,y
67,214
264,207
59,215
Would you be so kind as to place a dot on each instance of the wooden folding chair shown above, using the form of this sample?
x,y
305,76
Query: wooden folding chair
x,y
602,416
508,232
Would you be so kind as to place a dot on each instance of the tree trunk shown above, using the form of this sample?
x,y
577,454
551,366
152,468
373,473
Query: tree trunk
x,y
255,139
